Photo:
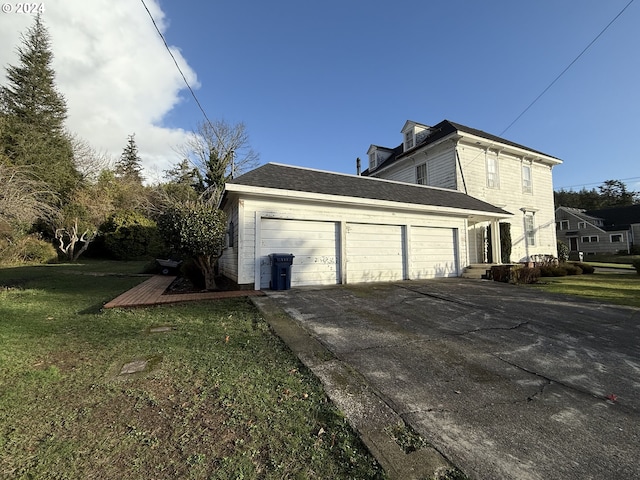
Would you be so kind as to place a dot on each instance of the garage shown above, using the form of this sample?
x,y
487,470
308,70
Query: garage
x,y
375,253
433,252
344,229
314,244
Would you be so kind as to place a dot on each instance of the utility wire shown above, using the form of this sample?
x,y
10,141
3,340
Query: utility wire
x,y
178,66
567,68
596,183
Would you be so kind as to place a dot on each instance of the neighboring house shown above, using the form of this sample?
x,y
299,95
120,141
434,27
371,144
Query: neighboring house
x,y
498,171
610,230
346,228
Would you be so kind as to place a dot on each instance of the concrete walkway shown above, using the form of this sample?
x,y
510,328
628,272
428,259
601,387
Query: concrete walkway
x,y
151,292
505,382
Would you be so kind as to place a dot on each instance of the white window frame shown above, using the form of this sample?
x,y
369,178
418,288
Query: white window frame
x,y
564,224
373,160
421,174
409,140
493,176
582,225
530,229
590,239
527,181
621,235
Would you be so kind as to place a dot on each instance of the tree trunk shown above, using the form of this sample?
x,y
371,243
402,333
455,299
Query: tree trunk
x,y
207,267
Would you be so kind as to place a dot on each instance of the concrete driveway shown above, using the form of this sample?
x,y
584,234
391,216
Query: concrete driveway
x,y
506,382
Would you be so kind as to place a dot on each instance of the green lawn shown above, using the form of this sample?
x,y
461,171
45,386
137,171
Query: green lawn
x,y
621,289
222,398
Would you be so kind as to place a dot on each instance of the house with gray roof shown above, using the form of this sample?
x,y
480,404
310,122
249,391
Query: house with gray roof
x,y
346,228
498,171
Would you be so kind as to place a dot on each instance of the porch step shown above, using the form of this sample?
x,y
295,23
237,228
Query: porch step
x,y
476,271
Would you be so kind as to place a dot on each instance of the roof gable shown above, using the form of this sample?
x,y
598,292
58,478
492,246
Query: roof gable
x,y
298,179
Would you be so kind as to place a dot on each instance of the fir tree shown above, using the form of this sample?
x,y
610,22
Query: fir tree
x,y
35,113
129,166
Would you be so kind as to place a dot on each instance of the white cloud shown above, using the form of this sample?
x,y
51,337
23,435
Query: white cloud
x,y
115,72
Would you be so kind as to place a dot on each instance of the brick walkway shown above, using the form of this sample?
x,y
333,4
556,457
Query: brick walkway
x,y
151,292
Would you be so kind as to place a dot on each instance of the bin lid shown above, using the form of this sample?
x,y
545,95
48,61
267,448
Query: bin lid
x,y
282,257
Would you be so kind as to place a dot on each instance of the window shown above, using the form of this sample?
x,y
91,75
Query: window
x,y
372,161
527,186
616,238
492,172
529,228
590,239
564,224
582,225
421,174
231,234
408,140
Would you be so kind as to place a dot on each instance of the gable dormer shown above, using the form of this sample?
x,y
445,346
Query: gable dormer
x,y
377,155
413,134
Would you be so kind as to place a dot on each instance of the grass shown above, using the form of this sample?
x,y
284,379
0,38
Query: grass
x,y
221,398
620,289
611,258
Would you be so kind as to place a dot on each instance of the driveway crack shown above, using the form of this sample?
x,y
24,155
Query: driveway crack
x,y
476,330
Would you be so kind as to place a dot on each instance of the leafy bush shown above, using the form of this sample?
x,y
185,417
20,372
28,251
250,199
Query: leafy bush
x,y
551,271
526,275
129,235
27,249
563,251
572,269
586,268
636,265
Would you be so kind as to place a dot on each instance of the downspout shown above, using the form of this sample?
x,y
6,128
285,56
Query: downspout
x,y
464,184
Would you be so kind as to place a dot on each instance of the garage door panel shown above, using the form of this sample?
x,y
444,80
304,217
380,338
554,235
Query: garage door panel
x,y
433,252
313,244
375,253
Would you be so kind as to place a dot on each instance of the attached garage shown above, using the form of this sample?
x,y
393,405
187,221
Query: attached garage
x,y
345,228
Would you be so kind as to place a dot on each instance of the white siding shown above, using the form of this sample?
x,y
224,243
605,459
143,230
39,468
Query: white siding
x,y
228,262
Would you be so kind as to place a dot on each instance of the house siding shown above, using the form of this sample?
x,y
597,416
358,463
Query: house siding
x,y
228,262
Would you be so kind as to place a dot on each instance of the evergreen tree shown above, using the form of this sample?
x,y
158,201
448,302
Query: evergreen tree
x,y
129,166
35,113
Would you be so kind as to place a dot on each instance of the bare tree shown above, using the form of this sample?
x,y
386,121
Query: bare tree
x,y
23,198
220,152
87,160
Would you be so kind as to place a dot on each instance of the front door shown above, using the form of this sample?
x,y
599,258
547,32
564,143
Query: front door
x,y
573,244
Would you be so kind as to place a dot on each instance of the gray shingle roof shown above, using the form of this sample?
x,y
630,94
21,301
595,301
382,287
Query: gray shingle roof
x,y
285,177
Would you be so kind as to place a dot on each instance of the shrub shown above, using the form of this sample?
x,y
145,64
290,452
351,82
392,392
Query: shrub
x,y
572,269
27,249
586,268
636,265
192,272
551,271
129,235
526,275
563,251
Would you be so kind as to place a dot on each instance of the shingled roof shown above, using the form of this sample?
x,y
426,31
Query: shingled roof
x,y
298,179
444,129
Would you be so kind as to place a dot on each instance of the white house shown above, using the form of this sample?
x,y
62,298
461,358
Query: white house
x,y
346,228
493,169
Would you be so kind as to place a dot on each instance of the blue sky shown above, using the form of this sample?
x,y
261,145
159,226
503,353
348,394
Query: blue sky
x,y
317,82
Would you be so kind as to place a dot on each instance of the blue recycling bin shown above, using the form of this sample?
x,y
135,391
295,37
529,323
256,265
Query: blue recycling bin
x,y
281,270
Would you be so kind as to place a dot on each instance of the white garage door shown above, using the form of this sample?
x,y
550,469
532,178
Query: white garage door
x,y
433,252
374,253
314,245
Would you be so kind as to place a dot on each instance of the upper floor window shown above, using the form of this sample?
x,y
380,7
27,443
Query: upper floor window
x,y
582,225
372,161
408,140
616,238
492,172
530,229
421,174
527,185
563,224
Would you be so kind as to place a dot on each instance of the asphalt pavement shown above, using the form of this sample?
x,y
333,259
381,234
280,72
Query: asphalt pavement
x,y
502,381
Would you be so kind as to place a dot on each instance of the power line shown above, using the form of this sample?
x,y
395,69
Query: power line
x,y
567,68
596,183
176,63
